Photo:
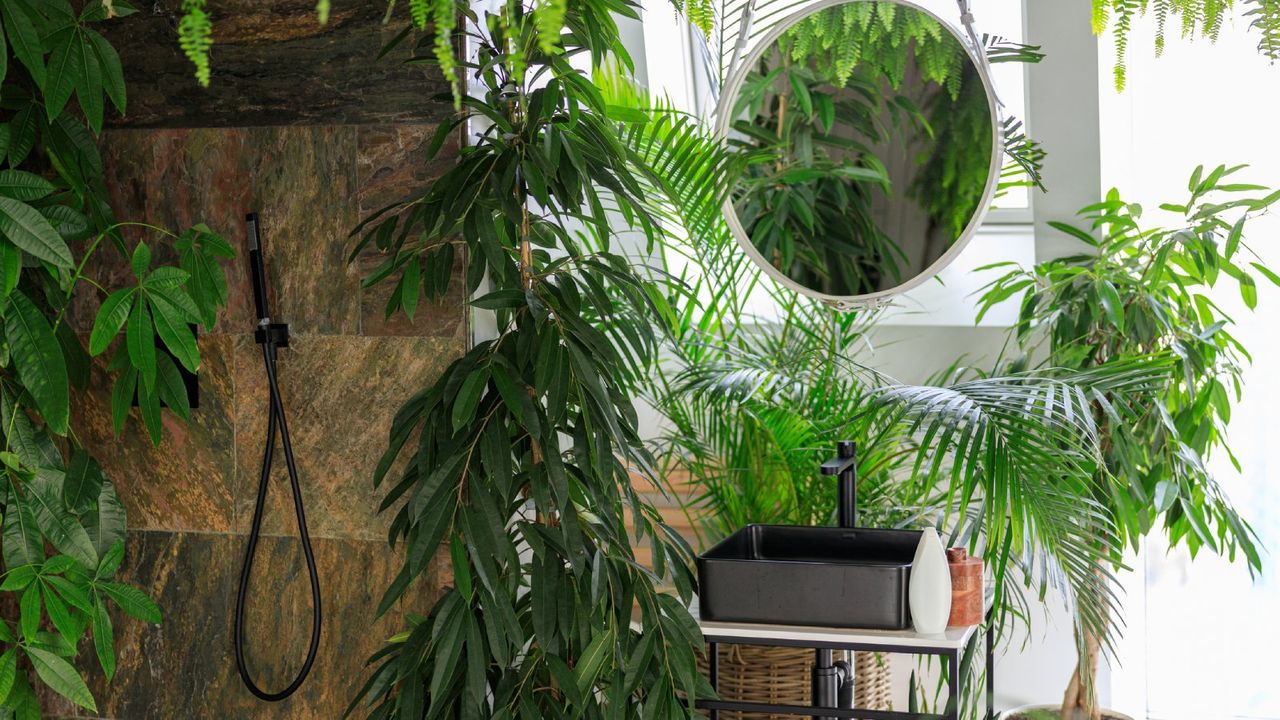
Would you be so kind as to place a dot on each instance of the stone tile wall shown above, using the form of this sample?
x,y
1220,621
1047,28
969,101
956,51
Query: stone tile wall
x,y
302,125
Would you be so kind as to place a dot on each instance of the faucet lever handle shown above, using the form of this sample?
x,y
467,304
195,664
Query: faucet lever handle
x,y
837,465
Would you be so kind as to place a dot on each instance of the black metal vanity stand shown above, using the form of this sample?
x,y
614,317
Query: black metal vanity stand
x,y
826,640
832,681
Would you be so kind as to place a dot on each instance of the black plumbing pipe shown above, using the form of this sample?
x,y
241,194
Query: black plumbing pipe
x,y
271,337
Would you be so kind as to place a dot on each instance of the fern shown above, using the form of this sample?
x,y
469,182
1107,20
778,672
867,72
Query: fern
x,y
548,18
834,41
1124,12
1264,18
420,11
195,35
1203,18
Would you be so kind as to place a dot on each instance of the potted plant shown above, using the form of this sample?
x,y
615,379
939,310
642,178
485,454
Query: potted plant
x,y
1138,289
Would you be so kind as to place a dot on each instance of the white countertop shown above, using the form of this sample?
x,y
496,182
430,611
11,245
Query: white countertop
x,y
953,639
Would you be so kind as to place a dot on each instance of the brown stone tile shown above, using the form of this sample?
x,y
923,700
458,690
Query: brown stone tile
x,y
185,667
391,166
173,179
186,482
274,64
305,184
340,394
302,182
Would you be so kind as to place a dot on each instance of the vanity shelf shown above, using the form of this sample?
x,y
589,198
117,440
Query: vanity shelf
x,y
949,645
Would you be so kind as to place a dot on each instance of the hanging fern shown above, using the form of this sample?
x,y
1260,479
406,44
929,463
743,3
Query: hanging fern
x,y
1124,12
548,18
1203,18
195,35
1265,20
834,41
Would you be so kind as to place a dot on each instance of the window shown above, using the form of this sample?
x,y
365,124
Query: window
x,y
1202,633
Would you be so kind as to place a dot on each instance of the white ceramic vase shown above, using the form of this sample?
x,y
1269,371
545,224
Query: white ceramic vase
x,y
929,593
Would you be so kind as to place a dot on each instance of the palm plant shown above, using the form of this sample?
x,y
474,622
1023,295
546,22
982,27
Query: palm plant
x,y
1012,457
520,457
1136,290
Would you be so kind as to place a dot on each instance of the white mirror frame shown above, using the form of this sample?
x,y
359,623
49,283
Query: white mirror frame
x,y
724,124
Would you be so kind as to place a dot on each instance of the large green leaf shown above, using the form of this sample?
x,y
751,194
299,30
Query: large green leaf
x,y
89,86
8,672
106,524
61,528
24,186
112,73
38,357
141,343
133,601
29,230
30,443
173,331
61,677
25,39
23,544
111,317
66,69
104,640
83,483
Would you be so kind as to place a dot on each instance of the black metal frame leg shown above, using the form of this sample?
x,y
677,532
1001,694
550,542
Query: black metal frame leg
x,y
953,685
713,673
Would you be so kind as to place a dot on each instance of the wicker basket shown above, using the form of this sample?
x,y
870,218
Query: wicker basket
x,y
780,675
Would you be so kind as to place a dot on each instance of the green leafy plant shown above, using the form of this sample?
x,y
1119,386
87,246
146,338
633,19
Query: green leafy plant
x,y
752,393
520,457
1194,17
63,522
440,18
1138,289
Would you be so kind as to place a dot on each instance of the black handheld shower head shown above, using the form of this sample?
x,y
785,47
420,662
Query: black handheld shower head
x,y
257,272
272,336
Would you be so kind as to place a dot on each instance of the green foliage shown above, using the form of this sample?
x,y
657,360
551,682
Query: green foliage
x,y
811,175
63,523
1001,463
520,457
1140,289
195,35
195,29
840,38
1195,17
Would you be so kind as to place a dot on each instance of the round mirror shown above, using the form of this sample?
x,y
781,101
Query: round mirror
x,y
869,137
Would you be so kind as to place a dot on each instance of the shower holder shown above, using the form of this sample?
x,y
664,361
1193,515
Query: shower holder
x,y
275,333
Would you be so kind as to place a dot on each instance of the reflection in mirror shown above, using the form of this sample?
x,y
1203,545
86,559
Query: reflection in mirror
x,y
868,135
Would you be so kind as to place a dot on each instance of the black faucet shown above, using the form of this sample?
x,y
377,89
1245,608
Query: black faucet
x,y
832,680
844,465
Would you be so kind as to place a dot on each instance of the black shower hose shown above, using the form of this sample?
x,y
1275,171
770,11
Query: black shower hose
x,y
275,415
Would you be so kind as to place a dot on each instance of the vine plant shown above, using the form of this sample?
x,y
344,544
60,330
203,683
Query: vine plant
x,y
520,457
63,522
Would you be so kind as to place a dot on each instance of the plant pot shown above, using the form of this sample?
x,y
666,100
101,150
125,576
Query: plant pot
x,y
1052,712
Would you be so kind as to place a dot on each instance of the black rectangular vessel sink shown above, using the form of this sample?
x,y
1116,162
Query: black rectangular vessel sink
x,y
819,576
